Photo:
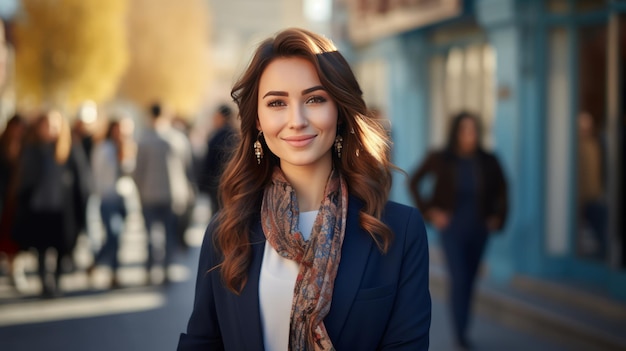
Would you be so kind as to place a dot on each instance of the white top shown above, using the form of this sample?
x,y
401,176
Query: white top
x,y
276,285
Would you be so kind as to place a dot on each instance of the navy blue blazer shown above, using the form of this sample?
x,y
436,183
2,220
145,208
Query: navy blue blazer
x,y
380,301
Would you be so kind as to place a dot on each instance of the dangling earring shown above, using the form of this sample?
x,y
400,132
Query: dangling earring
x,y
258,148
338,145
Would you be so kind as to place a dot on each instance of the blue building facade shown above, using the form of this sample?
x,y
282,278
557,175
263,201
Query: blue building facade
x,y
532,69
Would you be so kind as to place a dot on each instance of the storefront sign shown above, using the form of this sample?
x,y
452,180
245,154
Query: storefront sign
x,y
373,19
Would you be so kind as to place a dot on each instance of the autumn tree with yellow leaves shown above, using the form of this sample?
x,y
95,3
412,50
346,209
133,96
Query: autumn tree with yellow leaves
x,y
169,50
68,51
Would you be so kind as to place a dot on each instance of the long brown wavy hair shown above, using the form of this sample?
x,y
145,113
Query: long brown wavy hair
x,y
365,161
62,139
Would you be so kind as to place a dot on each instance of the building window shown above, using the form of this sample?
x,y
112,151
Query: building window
x,y
462,79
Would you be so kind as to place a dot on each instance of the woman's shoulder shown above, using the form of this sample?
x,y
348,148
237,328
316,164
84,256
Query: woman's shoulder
x,y
393,211
208,241
487,155
210,233
392,206
399,215
437,157
408,228
489,158
440,153
209,252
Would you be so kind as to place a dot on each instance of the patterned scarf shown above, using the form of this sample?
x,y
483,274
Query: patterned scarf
x,y
318,258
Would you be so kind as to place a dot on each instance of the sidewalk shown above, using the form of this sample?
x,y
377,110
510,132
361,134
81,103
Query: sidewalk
x,y
568,317
486,333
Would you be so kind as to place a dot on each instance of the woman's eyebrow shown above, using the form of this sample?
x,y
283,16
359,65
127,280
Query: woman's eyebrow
x,y
284,93
312,89
275,93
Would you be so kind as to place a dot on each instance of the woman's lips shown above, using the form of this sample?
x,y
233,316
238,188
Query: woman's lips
x,y
299,141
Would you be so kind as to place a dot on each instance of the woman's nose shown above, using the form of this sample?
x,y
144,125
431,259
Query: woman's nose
x,y
297,117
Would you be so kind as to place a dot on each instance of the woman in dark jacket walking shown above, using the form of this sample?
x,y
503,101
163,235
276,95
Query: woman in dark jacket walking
x,y
468,201
52,195
10,148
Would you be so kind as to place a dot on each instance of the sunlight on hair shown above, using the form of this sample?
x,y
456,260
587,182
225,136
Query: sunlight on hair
x,y
373,143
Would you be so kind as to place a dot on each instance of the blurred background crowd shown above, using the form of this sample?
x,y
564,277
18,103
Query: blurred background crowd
x,y
115,116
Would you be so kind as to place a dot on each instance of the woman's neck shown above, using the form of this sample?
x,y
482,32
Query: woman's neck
x,y
309,184
467,152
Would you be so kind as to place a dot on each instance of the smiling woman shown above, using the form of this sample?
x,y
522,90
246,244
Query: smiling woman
x,y
306,221
298,119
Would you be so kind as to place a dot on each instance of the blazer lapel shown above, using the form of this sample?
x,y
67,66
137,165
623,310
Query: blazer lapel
x,y
355,250
248,306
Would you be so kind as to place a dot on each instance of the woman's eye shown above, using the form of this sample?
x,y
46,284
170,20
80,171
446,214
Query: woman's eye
x,y
315,100
275,103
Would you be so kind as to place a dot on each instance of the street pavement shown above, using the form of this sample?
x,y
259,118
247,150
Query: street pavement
x,y
89,317
486,334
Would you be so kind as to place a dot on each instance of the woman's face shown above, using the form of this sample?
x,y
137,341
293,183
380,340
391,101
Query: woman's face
x,y
468,136
296,114
116,132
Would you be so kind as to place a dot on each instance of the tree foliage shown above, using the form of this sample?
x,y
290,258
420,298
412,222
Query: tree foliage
x,y
169,43
68,51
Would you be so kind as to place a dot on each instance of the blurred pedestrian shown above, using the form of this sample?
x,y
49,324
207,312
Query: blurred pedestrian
x,y
468,201
11,143
307,253
184,219
592,207
52,195
163,178
84,126
110,162
220,147
83,131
